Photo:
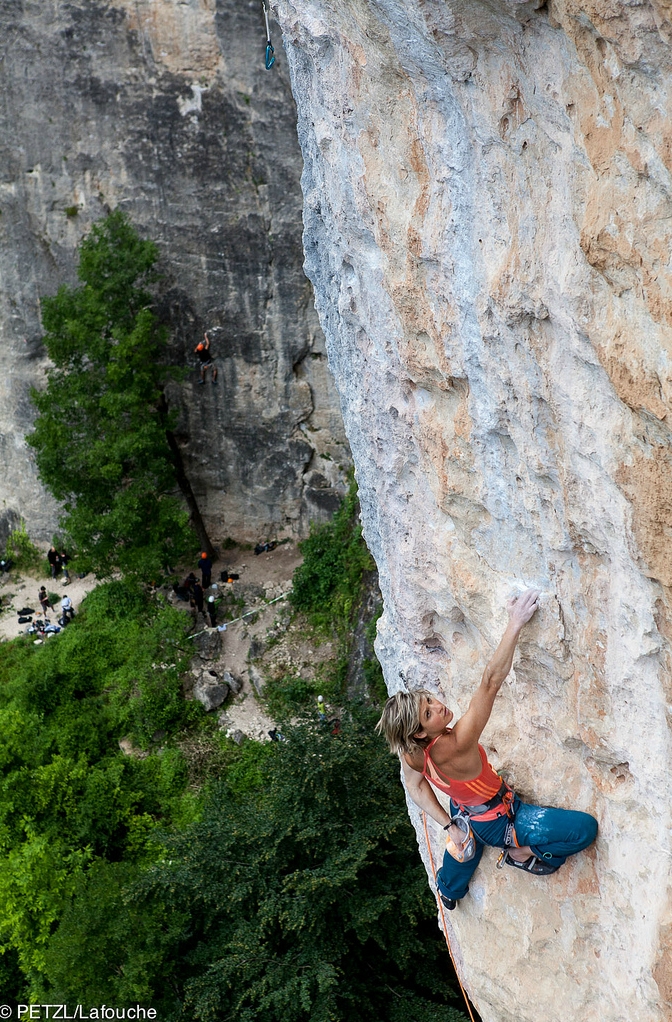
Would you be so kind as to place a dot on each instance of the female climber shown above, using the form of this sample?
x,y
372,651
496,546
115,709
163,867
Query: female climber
x,y
480,808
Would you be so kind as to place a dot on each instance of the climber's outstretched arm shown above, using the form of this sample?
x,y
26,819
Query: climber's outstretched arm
x,y
421,792
468,729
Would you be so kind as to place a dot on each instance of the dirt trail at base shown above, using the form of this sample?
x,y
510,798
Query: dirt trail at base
x,y
269,572
272,572
20,590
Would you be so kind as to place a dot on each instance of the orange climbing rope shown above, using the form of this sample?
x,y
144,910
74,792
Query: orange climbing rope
x,y
443,919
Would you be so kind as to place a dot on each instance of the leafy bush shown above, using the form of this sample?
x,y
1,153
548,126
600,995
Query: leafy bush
x,y
68,796
285,695
105,941
23,551
327,585
330,588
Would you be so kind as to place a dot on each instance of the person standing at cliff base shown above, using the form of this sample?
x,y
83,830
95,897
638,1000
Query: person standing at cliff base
x,y
55,563
67,609
43,597
474,805
197,594
202,351
206,570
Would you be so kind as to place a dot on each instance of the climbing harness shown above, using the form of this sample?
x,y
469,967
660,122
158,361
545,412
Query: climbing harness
x,y
443,920
500,805
270,59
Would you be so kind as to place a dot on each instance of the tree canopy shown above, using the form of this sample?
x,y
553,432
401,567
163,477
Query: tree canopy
x,y
70,800
267,882
102,438
298,896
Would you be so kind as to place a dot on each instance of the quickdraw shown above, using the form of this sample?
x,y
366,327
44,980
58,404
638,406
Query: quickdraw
x,y
269,59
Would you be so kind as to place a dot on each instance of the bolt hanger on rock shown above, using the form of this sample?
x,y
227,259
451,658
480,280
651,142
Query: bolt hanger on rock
x,y
269,59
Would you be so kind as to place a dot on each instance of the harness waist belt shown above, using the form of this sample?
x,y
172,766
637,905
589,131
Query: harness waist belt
x,y
503,797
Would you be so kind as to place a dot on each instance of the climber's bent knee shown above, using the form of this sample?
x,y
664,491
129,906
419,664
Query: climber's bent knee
x,y
554,834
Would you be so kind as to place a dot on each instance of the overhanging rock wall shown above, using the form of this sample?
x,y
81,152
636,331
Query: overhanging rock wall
x,y
488,230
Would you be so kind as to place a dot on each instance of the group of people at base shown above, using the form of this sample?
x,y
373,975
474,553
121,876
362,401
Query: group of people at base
x,y
67,608
193,591
58,562
448,775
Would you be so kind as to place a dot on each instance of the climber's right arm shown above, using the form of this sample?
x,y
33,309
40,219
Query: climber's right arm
x,y
468,729
420,791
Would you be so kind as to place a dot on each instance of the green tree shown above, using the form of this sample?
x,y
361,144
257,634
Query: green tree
x,y
300,898
70,800
103,436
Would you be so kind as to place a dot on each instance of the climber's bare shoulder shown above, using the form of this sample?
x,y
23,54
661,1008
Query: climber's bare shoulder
x,y
415,760
455,758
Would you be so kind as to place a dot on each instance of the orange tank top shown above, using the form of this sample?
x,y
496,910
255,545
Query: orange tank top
x,y
468,793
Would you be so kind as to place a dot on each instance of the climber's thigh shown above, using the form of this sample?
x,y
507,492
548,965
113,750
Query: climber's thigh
x,y
565,831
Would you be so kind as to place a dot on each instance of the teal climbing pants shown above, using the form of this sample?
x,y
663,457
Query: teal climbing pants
x,y
552,834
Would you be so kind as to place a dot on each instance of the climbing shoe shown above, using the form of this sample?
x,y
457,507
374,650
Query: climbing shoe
x,y
449,903
201,383
532,865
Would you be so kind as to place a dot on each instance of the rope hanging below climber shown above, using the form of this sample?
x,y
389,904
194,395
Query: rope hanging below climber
x,y
269,59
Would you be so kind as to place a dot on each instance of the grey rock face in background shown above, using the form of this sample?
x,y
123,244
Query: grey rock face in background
x,y
166,111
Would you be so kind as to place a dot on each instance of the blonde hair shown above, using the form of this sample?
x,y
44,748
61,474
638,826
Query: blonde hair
x,y
400,721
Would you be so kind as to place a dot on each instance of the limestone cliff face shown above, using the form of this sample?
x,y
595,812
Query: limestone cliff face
x,y
165,110
488,227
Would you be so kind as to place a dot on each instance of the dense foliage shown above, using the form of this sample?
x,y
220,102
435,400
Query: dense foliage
x,y
69,798
296,897
327,585
332,588
22,552
100,436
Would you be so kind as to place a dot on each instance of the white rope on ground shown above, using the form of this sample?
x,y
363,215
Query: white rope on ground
x,y
249,613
